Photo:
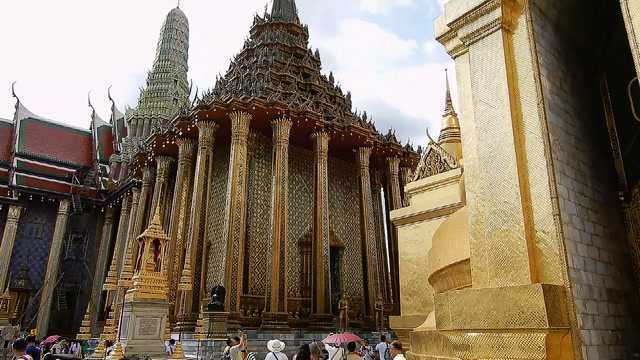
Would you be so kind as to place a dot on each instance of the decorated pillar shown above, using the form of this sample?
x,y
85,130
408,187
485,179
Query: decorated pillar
x,y
276,302
395,202
236,210
367,226
101,263
378,213
8,240
144,206
179,217
160,190
51,275
126,273
189,286
321,284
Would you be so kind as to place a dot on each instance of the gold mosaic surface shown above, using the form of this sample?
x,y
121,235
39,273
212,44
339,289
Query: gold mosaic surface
x,y
300,212
258,243
215,221
344,217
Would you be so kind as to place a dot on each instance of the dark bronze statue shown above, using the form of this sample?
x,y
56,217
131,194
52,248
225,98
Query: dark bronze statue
x,y
218,294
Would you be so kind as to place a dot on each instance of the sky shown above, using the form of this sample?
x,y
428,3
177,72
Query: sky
x,y
58,52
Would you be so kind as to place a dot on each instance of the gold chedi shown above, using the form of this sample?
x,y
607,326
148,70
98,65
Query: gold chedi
x,y
85,327
150,280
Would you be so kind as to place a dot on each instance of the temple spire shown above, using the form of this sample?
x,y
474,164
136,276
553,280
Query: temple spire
x,y
448,106
285,10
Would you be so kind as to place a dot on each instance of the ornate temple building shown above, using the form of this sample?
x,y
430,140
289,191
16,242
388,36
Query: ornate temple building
x,y
268,184
520,236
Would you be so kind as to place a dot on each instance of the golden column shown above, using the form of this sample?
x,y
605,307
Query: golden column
x,y
51,276
148,178
321,283
126,273
179,217
378,213
395,202
235,211
367,226
189,287
160,190
114,297
101,265
276,301
8,240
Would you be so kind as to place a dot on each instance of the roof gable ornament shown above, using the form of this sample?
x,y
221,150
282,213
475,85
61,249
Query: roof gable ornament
x,y
435,160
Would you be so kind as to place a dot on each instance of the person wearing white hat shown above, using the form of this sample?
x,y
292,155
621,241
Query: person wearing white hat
x,y
276,348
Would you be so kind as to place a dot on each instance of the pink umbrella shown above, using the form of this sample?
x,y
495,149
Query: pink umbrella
x,y
343,338
50,340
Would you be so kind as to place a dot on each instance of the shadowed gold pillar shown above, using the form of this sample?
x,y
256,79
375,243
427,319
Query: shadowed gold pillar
x,y
320,250
367,226
126,273
276,301
101,264
144,206
179,217
386,289
395,202
160,190
236,209
189,287
51,276
8,240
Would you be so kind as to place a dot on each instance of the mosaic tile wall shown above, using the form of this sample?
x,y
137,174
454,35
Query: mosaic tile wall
x,y
215,217
344,216
300,212
258,240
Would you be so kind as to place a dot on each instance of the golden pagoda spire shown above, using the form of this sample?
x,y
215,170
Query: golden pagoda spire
x,y
450,135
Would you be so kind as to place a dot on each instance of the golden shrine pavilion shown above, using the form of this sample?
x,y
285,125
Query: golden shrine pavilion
x,y
267,184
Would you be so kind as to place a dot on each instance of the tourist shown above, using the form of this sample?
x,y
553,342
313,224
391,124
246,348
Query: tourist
x,y
171,347
32,348
396,351
366,352
382,349
303,353
317,351
351,352
276,348
20,350
238,350
335,351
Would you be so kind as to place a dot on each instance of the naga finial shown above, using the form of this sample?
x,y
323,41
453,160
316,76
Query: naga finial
x,y
13,90
431,141
90,104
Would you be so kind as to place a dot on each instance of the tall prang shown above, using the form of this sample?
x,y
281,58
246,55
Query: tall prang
x,y
167,87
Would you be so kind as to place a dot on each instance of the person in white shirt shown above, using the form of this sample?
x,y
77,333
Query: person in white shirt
x,y
276,348
396,351
383,348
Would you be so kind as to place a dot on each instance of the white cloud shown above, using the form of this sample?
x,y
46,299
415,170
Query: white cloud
x,y
379,68
429,47
67,48
382,6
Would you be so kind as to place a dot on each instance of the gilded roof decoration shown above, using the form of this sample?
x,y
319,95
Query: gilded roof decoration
x,y
435,160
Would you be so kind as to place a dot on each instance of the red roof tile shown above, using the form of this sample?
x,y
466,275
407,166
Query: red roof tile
x,y
55,142
6,132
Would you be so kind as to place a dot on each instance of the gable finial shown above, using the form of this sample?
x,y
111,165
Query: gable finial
x,y
13,91
93,110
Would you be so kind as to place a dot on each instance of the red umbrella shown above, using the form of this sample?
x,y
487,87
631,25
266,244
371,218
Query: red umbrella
x,y
343,338
50,340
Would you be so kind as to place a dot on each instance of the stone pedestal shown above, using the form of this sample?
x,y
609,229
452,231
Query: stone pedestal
x,y
215,324
142,327
278,322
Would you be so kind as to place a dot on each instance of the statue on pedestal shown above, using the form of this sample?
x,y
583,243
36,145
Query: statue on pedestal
x,y
218,294
379,308
343,306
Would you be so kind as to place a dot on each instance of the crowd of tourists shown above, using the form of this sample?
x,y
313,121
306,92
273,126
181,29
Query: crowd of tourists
x,y
236,349
29,349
